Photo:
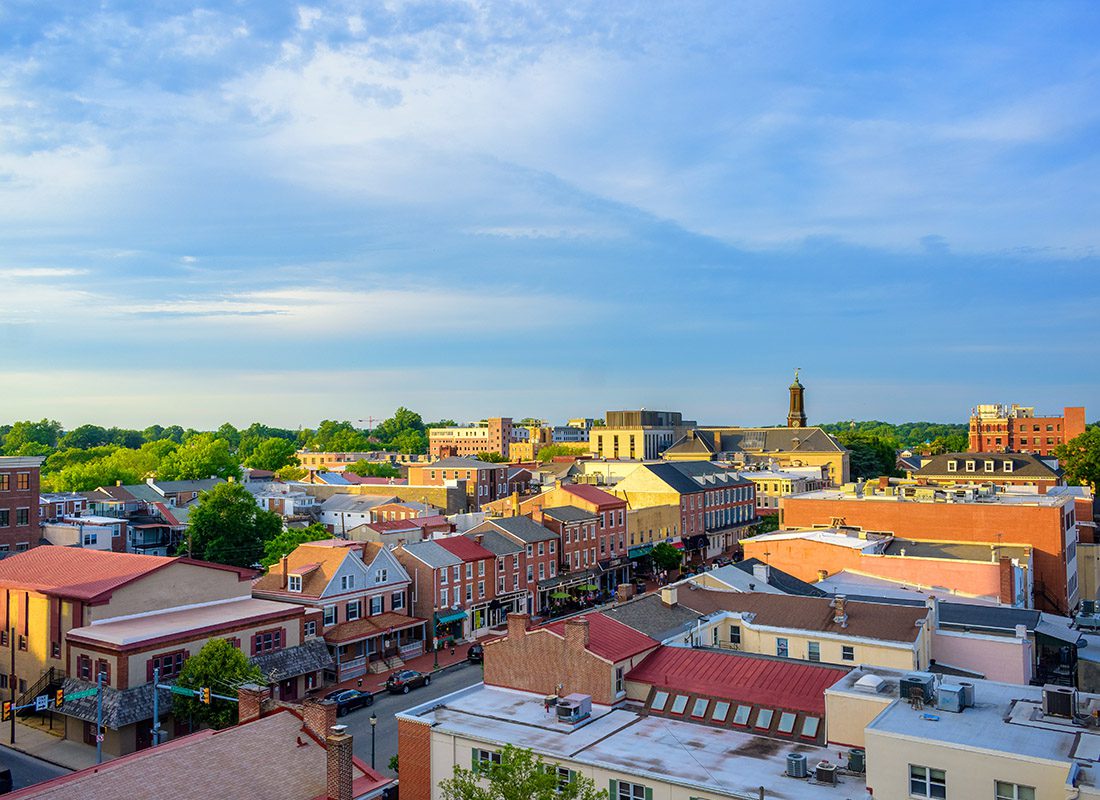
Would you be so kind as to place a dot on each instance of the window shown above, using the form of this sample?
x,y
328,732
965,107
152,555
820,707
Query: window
x,y
5,518
347,582
542,571
813,651
927,782
484,758
456,572
699,707
469,570
542,548
631,791
443,598
5,482
23,479
267,642
481,569
659,700
679,704
90,538
22,516
786,723
397,601
481,588
330,615
809,727
294,583
530,551
353,610
169,665
469,592
781,647
847,652
764,719
1014,791
721,709
84,668
377,605
741,715
620,681
381,575
311,628
1008,464
989,466
443,576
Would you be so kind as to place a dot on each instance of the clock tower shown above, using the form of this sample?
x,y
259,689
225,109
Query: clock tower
x,y
796,416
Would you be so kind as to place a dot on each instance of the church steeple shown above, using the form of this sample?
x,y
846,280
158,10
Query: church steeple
x,y
796,416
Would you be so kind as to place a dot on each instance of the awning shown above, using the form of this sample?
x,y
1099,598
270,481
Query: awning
x,y
678,544
1059,633
640,550
443,619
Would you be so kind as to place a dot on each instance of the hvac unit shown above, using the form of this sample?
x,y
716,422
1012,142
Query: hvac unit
x,y
1088,606
825,772
968,694
796,765
1059,701
857,760
575,707
950,698
924,681
1089,621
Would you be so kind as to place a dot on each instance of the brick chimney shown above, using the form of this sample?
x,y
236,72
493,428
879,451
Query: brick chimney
x,y
284,572
338,747
318,715
250,698
576,634
840,613
517,625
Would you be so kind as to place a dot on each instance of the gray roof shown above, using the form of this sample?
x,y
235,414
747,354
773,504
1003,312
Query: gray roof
x,y
1024,465
495,542
202,485
568,514
733,440
464,463
686,477
291,662
354,502
783,581
954,550
523,528
431,554
652,617
121,707
145,493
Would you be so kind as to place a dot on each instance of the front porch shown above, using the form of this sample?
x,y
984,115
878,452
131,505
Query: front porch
x,y
373,644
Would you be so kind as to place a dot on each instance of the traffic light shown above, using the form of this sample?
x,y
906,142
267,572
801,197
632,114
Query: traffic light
x,y
204,695
6,713
59,698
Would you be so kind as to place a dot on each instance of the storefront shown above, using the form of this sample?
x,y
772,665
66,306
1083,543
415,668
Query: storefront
x,y
613,572
450,626
493,614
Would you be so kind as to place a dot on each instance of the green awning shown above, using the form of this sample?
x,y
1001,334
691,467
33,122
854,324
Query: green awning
x,y
455,617
560,595
588,587
640,550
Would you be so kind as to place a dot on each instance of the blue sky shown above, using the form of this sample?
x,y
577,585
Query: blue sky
x,y
248,210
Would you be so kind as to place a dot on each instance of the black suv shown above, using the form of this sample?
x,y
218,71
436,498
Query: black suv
x,y
476,654
350,699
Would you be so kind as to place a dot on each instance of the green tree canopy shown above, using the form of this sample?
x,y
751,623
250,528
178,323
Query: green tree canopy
x,y
492,458
520,775
227,527
201,456
28,438
338,437
871,456
230,434
1080,458
84,437
273,454
666,557
222,668
374,469
402,420
291,473
548,453
286,541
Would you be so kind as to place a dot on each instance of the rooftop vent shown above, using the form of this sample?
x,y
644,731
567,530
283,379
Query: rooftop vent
x,y
872,684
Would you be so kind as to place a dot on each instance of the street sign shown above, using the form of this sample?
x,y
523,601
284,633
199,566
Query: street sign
x,y
79,695
42,702
99,737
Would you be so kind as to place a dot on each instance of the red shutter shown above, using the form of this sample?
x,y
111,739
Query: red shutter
x,y
255,642
149,667
78,614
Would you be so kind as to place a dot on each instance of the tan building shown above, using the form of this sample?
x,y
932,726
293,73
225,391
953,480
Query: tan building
x,y
637,435
774,484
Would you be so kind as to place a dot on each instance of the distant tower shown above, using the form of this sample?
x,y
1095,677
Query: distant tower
x,y
796,417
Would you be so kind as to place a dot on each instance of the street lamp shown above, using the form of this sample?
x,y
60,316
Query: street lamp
x,y
373,726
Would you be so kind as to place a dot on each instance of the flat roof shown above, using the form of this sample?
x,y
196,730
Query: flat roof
x,y
998,499
172,623
714,760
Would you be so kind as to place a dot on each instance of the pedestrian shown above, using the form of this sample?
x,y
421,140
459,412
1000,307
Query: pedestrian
x,y
452,647
359,683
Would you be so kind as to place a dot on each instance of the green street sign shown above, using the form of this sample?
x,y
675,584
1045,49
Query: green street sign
x,y
79,695
183,691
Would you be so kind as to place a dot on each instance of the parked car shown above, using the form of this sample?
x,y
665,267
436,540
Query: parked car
x,y
401,682
5,780
349,700
476,654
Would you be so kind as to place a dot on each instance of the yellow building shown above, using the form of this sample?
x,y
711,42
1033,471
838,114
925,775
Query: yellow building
x,y
636,435
648,525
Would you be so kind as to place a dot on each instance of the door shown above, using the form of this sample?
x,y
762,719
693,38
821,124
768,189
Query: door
x,y
144,735
288,689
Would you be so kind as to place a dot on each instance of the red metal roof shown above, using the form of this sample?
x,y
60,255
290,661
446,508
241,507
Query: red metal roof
x,y
593,495
740,678
610,639
463,547
76,572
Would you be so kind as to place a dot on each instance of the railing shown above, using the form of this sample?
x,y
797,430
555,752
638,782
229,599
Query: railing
x,y
50,676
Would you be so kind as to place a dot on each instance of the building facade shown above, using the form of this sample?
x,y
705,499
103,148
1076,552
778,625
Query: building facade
x,y
494,435
20,502
997,428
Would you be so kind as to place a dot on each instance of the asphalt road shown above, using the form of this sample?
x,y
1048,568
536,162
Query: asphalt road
x,y
27,770
386,705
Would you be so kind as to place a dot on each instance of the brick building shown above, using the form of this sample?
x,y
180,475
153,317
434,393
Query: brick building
x,y
485,482
1046,523
1005,470
541,547
493,435
20,479
997,428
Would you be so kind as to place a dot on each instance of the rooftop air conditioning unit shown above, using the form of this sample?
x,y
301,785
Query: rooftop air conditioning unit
x,y
951,698
825,772
1059,701
1089,621
796,765
575,707
968,694
925,681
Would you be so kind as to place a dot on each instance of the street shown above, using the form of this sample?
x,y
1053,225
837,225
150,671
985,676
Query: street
x,y
27,770
386,705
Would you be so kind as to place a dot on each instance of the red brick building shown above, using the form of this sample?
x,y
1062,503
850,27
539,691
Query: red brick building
x,y
541,551
996,428
1046,523
494,435
485,482
20,482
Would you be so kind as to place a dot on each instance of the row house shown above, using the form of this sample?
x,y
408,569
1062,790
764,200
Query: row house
x,y
89,531
484,482
52,506
401,509
539,562
401,531
172,493
342,512
577,533
20,479
362,595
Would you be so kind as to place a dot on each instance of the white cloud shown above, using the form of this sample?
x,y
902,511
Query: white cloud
x,y
307,16
40,272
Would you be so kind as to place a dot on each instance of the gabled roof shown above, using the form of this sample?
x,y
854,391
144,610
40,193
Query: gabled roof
x,y
354,503
652,617
430,553
316,564
590,494
686,477
496,542
608,638
777,683
523,528
201,485
365,627
783,581
75,572
117,493
568,514
1024,465
464,548
733,440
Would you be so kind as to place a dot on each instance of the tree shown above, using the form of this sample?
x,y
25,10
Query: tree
x,y
227,527
222,668
547,454
230,434
273,454
870,456
520,775
952,443
201,456
1080,458
84,437
492,458
767,524
374,469
28,438
402,420
286,541
666,557
443,423
409,441
291,473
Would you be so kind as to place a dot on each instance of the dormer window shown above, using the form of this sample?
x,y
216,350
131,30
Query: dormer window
x,y
381,576
990,466
1008,465
970,465
952,466
294,583
347,582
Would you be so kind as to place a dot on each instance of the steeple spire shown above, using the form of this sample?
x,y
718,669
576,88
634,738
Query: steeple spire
x,y
796,415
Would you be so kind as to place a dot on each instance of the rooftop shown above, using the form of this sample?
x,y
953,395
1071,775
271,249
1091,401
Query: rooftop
x,y
591,494
523,528
568,514
697,756
930,494
464,547
608,638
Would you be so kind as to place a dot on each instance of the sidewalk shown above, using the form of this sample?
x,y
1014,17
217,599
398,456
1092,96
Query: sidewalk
x,y
376,682
48,747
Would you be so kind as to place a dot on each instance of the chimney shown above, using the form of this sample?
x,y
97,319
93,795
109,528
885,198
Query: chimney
x,y
884,481
576,634
150,481
250,698
478,537
517,625
718,441
933,605
338,747
1021,632
284,571
668,595
761,572
318,715
822,574
118,483
840,616
515,503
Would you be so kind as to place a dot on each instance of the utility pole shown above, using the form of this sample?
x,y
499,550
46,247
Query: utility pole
x,y
156,706
12,681
99,719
